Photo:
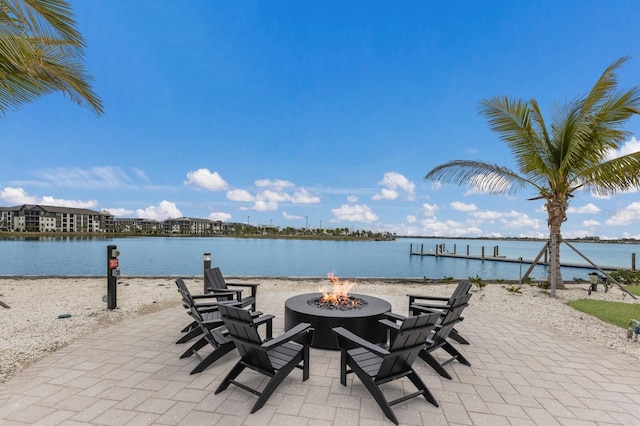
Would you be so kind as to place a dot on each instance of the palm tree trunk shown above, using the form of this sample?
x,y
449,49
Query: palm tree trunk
x,y
556,216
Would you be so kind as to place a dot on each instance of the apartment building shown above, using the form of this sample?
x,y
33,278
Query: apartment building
x,y
37,218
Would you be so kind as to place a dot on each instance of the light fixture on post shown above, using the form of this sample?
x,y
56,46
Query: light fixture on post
x,y
207,265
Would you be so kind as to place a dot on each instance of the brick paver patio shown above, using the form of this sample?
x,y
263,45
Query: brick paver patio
x,y
131,374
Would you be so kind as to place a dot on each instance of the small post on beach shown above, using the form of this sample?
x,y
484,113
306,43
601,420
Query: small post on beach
x,y
207,265
520,279
113,272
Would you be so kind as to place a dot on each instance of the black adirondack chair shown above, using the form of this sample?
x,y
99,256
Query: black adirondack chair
x,y
220,288
205,303
214,333
448,319
440,303
375,365
275,358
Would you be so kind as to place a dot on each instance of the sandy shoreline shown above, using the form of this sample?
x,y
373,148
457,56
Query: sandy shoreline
x,y
31,328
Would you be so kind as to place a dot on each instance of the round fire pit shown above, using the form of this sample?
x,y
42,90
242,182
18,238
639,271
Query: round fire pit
x,y
361,320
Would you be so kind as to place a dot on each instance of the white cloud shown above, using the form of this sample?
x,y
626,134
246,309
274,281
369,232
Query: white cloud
x,y
463,207
586,209
17,196
431,226
393,181
354,213
302,196
590,223
95,177
164,210
120,211
20,196
141,174
264,206
508,220
203,178
386,194
275,184
239,195
290,216
628,148
269,195
429,210
626,216
411,219
352,199
221,216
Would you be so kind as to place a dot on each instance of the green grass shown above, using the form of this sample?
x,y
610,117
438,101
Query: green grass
x,y
633,289
617,313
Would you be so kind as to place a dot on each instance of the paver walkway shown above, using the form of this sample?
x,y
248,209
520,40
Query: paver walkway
x,y
130,374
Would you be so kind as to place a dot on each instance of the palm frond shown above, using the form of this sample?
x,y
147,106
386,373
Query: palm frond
x,y
610,177
40,53
488,177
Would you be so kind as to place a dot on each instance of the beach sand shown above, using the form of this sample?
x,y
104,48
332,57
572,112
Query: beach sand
x,y
46,314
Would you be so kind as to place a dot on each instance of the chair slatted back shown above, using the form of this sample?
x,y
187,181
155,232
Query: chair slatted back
x,y
406,345
244,333
213,337
216,280
462,289
450,318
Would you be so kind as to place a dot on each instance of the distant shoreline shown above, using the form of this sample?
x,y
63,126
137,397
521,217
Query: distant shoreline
x,y
12,234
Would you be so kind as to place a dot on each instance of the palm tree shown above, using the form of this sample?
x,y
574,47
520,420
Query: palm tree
x,y
41,52
559,160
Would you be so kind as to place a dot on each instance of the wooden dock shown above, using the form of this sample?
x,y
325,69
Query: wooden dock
x,y
496,257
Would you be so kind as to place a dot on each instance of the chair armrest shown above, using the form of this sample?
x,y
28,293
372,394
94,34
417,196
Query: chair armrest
x,y
390,324
231,293
212,307
202,296
343,333
423,309
394,317
414,297
303,327
252,286
261,318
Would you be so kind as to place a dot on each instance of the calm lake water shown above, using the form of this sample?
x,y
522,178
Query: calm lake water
x,y
80,256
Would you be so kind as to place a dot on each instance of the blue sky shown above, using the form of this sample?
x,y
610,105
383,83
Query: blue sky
x,y
316,113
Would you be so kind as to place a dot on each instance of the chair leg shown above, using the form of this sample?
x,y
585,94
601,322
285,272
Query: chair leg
x,y
458,338
235,371
375,391
194,348
343,366
274,383
190,327
217,353
429,359
190,335
305,363
455,353
419,384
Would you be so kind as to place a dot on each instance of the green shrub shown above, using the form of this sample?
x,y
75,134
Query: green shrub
x,y
626,277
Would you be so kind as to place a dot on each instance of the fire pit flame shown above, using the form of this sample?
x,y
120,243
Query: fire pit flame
x,y
339,295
